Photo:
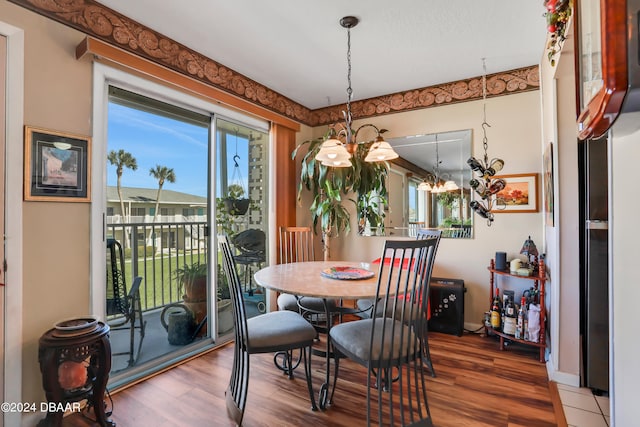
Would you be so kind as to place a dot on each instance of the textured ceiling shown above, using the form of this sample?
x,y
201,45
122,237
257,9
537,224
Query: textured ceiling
x,y
298,48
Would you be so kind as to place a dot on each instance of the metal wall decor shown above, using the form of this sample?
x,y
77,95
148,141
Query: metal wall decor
x,y
485,185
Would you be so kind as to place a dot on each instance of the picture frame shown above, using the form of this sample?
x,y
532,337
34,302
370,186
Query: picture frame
x,y
548,184
520,195
56,166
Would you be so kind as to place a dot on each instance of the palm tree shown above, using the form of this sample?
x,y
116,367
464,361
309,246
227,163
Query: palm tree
x,y
121,159
162,174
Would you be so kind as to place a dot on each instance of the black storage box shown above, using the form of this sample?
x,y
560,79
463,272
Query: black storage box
x,y
446,297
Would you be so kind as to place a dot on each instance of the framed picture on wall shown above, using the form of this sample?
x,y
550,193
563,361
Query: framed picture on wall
x,y
56,166
520,195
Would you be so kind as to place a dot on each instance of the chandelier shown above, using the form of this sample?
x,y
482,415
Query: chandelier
x,y
342,143
436,183
485,185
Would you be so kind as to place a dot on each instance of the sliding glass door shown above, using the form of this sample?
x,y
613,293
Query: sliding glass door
x,y
176,172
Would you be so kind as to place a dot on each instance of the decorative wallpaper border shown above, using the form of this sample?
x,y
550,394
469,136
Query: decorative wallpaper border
x,y
505,83
100,22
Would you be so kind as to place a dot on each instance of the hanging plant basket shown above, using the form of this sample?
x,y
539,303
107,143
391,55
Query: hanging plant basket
x,y
236,207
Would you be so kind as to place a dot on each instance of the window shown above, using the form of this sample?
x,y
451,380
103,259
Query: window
x,y
138,212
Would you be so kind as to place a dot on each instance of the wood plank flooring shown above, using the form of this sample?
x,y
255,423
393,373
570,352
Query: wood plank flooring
x,y
476,385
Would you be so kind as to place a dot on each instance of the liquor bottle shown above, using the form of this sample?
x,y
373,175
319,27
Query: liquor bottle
x,y
509,326
521,317
475,165
496,309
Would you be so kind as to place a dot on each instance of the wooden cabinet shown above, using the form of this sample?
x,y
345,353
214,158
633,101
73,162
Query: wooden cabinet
x,y
539,284
605,38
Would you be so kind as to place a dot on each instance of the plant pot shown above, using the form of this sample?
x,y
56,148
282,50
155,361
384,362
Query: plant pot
x,y
236,206
196,290
225,316
199,310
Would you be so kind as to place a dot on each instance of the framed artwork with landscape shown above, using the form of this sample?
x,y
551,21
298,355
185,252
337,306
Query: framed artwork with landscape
x,y
56,166
520,194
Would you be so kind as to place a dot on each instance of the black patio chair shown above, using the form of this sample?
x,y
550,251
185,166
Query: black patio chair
x,y
123,307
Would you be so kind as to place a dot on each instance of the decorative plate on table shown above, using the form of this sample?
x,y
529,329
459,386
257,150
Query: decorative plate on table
x,y
347,273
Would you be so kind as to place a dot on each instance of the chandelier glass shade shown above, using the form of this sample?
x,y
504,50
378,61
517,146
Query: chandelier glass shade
x,y
341,144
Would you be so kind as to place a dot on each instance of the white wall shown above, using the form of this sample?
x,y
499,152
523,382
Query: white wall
x,y
624,292
562,235
514,136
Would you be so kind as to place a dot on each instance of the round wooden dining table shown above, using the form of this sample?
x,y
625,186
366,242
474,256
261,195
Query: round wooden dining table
x,y
306,279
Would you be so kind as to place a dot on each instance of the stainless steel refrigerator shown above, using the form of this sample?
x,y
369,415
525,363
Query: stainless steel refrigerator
x,y
594,265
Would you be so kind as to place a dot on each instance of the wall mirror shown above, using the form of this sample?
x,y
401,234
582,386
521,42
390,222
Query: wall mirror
x,y
428,186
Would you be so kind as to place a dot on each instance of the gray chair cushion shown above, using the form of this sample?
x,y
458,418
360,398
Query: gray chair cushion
x,y
278,329
354,338
290,302
365,306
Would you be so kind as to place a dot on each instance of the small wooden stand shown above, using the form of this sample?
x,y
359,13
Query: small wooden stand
x,y
539,283
93,349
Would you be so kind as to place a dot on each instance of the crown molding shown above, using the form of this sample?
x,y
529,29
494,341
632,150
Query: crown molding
x,y
103,23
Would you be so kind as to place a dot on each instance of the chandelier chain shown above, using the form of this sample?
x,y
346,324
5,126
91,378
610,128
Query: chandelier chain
x,y
349,89
485,143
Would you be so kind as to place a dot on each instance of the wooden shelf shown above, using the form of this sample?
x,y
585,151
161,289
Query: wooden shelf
x,y
539,282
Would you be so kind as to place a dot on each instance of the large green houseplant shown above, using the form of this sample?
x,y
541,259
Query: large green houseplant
x,y
329,186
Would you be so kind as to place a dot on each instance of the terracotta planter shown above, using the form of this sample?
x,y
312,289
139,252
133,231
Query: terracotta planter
x,y
196,290
199,310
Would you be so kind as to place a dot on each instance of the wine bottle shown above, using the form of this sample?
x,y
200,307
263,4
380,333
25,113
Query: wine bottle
x,y
475,165
481,210
509,326
479,188
497,185
521,316
496,165
496,309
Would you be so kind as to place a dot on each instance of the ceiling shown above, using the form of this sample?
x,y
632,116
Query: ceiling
x,y
298,48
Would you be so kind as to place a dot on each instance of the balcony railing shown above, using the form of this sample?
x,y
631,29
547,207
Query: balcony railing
x,y
155,251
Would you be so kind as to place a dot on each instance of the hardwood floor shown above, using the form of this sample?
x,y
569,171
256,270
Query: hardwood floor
x,y
476,385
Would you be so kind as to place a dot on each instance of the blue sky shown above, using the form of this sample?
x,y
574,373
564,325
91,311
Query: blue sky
x,y
156,140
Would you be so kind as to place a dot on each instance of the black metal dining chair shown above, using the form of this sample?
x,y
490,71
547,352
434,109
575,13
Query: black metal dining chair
x,y
266,333
366,305
297,245
390,343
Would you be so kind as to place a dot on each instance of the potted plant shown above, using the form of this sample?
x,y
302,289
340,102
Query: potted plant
x,y
193,281
235,203
328,186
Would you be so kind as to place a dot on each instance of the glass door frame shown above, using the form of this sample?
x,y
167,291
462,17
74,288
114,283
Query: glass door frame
x,y
104,76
